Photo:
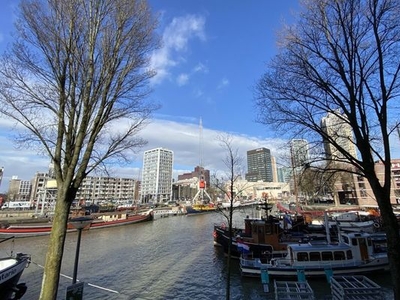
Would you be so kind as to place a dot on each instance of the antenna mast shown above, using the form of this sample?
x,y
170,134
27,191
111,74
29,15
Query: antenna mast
x,y
201,143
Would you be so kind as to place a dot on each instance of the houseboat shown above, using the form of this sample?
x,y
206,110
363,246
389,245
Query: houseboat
x,y
354,253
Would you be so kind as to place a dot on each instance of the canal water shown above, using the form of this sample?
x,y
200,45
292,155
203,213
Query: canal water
x,y
169,258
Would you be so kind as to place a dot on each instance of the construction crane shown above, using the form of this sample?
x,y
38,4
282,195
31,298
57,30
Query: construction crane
x,y
201,184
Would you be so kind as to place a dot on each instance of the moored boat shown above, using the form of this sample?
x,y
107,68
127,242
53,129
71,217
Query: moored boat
x,y
119,218
227,205
355,221
265,237
11,269
168,211
200,208
355,253
100,220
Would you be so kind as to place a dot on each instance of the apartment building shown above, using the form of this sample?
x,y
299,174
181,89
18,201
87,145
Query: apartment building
x,y
107,189
259,165
93,189
19,190
335,126
364,192
299,152
156,185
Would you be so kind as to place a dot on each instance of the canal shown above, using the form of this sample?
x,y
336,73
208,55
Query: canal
x,y
169,258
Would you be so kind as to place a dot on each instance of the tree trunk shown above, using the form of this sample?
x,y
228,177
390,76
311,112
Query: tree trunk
x,y
391,228
229,258
55,250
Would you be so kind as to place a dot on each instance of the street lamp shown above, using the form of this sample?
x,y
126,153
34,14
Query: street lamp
x,y
79,224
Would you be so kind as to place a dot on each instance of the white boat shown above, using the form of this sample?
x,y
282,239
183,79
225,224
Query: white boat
x,y
227,205
352,221
11,268
355,221
355,253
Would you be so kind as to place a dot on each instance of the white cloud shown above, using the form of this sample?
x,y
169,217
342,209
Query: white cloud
x,y
190,146
184,139
176,38
182,79
223,83
200,68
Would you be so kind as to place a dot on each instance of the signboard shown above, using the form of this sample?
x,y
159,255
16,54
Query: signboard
x,y
75,291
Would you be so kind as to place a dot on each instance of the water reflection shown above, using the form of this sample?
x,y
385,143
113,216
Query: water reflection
x,y
169,258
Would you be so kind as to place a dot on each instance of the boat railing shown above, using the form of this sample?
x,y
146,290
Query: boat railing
x,y
314,263
250,262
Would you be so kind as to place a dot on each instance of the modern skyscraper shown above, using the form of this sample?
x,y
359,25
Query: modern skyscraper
x,y
299,152
259,165
284,174
335,126
157,175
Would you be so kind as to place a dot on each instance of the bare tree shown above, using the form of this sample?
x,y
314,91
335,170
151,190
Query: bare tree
x,y
342,59
227,185
75,80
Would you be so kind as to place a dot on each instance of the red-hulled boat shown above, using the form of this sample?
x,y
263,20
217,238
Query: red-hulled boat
x,y
102,220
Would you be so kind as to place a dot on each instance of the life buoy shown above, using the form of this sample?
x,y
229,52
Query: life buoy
x,y
377,225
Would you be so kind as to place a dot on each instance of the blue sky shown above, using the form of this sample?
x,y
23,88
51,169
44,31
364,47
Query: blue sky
x,y
216,51
213,53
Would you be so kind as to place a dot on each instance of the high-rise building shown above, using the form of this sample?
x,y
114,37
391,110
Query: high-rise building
x,y
335,126
259,165
284,174
156,183
274,169
299,152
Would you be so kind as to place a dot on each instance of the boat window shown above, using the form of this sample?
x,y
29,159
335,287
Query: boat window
x,y
349,254
380,246
354,242
339,255
327,255
302,256
345,239
314,256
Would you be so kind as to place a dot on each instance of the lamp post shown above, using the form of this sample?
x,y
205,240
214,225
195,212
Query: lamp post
x,y
79,224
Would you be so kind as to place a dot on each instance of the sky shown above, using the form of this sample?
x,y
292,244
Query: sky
x,y
213,54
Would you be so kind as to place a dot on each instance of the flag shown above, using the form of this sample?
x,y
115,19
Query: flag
x,y
243,248
288,219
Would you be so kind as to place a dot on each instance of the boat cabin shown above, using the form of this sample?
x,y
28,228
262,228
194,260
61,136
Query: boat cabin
x,y
264,231
353,247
